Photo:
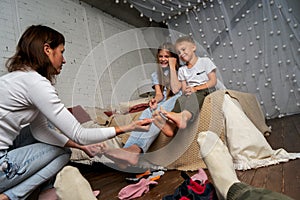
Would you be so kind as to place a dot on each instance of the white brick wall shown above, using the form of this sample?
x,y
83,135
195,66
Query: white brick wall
x,y
102,52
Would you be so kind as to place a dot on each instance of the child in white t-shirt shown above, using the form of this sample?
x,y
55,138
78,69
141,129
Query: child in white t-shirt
x,y
198,79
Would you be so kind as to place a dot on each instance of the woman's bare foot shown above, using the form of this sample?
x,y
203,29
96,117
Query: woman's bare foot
x,y
49,194
3,197
124,156
94,149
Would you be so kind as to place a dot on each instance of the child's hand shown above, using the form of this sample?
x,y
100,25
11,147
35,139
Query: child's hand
x,y
153,104
189,90
172,63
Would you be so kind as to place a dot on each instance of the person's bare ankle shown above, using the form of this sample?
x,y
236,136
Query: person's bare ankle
x,y
3,197
134,149
49,194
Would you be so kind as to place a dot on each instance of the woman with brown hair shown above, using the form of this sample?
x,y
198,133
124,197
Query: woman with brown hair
x,y
31,153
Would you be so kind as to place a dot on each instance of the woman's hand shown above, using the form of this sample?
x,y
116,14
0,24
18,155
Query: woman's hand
x,y
94,149
139,125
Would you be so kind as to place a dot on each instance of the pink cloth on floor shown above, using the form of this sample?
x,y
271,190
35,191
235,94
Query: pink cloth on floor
x,y
135,190
201,176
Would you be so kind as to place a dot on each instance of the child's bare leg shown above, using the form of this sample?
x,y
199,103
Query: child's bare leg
x,y
129,155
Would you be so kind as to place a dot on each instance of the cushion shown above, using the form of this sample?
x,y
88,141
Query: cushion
x,y
133,105
80,114
138,107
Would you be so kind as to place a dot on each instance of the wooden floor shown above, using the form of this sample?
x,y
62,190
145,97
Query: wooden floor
x,y
283,178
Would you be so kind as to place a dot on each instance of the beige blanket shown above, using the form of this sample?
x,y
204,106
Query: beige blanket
x,y
182,151
246,144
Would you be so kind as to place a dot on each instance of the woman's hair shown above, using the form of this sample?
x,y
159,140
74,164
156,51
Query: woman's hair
x,y
171,49
30,51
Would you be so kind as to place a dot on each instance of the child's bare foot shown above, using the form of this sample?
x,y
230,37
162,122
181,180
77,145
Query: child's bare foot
x,y
166,126
175,120
124,156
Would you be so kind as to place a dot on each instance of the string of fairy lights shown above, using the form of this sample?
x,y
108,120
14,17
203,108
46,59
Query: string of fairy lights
x,y
255,44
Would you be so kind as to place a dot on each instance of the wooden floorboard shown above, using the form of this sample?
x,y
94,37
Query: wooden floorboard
x,y
283,177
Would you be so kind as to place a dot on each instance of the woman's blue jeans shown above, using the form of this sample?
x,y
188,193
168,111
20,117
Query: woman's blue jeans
x,y
28,164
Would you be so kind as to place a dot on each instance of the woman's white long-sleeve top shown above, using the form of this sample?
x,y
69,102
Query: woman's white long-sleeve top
x,y
28,97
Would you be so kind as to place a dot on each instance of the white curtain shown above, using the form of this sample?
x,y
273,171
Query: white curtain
x,y
254,43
